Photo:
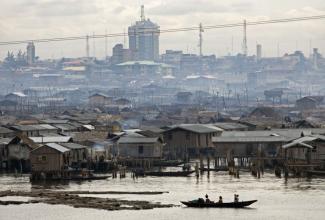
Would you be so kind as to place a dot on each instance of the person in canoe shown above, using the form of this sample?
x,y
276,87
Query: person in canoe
x,y
236,198
220,199
207,200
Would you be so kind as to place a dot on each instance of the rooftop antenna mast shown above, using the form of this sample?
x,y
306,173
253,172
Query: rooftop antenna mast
x,y
245,39
143,18
201,39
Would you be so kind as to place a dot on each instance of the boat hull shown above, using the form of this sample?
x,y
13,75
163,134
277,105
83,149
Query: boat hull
x,y
219,205
181,173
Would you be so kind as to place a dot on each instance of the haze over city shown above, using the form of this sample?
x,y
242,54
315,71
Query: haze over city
x,y
161,109
33,19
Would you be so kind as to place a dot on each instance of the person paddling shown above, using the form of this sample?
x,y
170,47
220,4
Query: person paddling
x,y
207,200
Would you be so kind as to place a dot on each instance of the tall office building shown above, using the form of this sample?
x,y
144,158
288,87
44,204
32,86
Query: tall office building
x,y
30,53
144,39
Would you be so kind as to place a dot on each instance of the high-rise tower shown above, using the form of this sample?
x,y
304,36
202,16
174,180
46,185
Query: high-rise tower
x,y
144,39
30,53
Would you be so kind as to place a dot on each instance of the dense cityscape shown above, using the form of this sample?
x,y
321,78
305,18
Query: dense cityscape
x,y
144,116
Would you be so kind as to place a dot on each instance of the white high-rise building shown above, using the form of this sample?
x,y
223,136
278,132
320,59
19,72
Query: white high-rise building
x,y
144,39
30,53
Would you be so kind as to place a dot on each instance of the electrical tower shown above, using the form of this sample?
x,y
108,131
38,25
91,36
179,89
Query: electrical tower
x,y
245,39
87,46
106,49
201,30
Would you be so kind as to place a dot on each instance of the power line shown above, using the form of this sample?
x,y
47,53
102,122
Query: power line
x,y
173,30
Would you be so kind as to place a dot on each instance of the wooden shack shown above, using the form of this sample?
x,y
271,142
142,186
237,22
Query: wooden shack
x,y
48,158
189,139
140,147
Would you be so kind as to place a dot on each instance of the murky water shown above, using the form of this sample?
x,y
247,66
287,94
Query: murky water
x,y
277,198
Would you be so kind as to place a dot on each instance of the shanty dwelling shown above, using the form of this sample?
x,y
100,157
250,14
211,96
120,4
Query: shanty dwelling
x,y
8,106
123,103
309,102
184,97
99,100
77,154
17,97
239,148
15,154
5,132
306,152
34,130
140,147
189,139
99,154
49,161
51,139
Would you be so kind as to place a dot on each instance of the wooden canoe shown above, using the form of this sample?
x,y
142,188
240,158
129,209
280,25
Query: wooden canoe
x,y
197,204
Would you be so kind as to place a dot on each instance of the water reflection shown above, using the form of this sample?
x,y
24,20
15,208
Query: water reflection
x,y
277,197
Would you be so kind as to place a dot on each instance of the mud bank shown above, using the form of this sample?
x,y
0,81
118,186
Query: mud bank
x,y
74,200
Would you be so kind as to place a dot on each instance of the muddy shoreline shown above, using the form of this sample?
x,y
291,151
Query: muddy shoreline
x,y
71,198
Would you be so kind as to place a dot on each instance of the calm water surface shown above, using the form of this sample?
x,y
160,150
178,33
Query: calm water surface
x,y
277,198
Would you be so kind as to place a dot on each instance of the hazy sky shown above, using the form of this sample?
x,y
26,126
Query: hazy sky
x,y
30,19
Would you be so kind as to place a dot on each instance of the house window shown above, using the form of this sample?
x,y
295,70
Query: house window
x,y
140,149
42,158
170,136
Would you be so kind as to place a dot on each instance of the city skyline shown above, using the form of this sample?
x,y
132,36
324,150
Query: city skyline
x,y
89,17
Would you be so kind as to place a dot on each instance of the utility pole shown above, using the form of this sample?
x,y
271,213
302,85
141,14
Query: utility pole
x,y
143,18
232,45
94,45
124,35
87,46
106,49
201,39
245,39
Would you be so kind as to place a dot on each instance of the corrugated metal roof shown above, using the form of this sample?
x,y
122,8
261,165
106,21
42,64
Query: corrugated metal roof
x,y
35,127
4,130
137,140
73,146
297,144
65,127
5,141
89,127
301,142
51,139
197,128
230,126
250,139
54,121
290,133
57,147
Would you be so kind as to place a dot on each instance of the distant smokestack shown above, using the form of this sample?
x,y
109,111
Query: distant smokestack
x,y
143,18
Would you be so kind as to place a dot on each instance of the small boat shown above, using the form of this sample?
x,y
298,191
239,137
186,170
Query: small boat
x,y
171,173
162,173
93,177
199,204
167,163
316,173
